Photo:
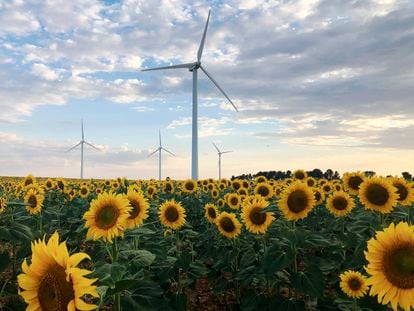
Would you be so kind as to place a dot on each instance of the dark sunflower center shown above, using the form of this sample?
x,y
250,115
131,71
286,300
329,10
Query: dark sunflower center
x,y
234,201
211,212
402,191
214,193
227,224
136,209
221,203
317,196
84,191
54,291
32,201
48,184
257,216
236,186
171,214
354,182
326,188
398,266
168,187
150,191
107,217
310,182
297,201
189,186
354,284
377,194
299,175
28,181
263,191
61,185
340,203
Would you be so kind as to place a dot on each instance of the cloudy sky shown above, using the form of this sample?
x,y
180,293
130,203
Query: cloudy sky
x,y
319,83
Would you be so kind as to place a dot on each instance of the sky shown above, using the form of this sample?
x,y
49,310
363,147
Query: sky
x,y
318,83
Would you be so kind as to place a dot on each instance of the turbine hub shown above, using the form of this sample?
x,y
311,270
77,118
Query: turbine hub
x,y
196,65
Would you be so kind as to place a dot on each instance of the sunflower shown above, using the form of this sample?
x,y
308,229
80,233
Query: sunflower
x,y
353,284
139,211
404,191
71,194
106,217
61,185
34,201
49,184
151,191
378,194
264,189
259,179
53,281
168,187
2,205
189,186
84,192
318,195
242,191
310,181
296,201
98,190
390,256
228,225
300,174
233,200
215,193
340,203
256,220
352,182
211,212
327,188
236,184
220,203
29,179
172,214
337,187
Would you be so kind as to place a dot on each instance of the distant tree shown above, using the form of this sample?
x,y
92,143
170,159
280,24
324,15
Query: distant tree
x,y
328,174
407,176
336,175
369,173
315,173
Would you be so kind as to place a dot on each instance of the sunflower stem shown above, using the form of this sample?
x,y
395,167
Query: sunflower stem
x,y
354,305
108,251
40,223
114,251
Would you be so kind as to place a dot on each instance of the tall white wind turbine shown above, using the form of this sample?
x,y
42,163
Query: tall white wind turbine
x,y
81,143
193,67
159,149
219,154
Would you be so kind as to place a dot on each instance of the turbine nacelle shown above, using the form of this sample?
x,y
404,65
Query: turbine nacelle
x,y
195,65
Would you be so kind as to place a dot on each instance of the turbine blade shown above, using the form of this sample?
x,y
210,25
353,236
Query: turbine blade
x,y
152,153
83,136
168,151
227,151
93,146
218,150
200,49
188,65
218,86
73,147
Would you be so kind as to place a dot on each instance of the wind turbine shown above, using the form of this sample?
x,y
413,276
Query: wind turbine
x,y
193,67
81,143
219,154
159,149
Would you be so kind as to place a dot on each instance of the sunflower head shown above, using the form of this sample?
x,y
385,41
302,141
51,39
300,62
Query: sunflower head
x,y
255,218
404,191
340,203
353,284
300,174
34,201
84,192
228,225
49,184
233,200
211,212
215,193
318,195
352,181
2,205
61,185
168,187
296,201
189,186
106,217
139,211
311,182
220,203
53,281
172,214
259,179
390,256
264,189
29,179
378,194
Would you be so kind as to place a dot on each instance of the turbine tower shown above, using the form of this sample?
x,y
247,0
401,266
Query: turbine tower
x,y
193,67
159,149
219,154
81,143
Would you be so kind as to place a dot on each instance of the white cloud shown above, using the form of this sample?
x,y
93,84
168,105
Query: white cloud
x,y
44,72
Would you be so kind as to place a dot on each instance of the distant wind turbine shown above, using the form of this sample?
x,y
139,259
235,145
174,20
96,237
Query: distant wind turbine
x,y
219,154
81,143
159,149
193,67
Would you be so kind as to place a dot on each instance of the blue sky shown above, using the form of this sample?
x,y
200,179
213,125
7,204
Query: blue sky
x,y
318,83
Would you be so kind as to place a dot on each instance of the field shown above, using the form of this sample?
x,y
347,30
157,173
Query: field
x,y
238,244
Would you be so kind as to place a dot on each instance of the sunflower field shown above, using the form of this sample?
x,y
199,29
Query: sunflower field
x,y
295,244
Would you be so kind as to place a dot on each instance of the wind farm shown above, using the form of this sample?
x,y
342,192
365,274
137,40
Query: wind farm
x,y
232,155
